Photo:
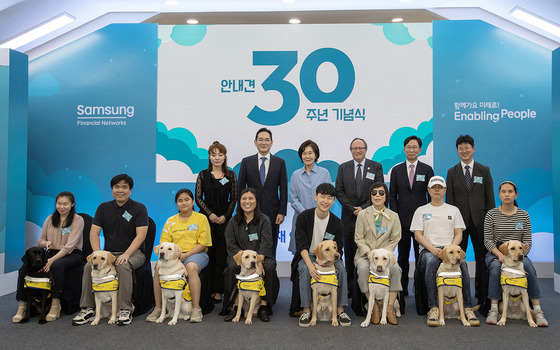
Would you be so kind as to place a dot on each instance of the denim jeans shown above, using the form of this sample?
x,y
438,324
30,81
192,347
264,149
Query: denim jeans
x,y
305,283
494,273
430,264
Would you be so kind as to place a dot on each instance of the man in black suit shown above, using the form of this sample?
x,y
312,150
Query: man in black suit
x,y
470,188
266,174
353,181
408,191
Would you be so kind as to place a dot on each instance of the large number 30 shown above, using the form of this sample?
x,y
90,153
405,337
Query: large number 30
x,y
286,60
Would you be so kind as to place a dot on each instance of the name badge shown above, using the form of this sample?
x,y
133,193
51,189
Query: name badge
x,y
126,215
478,179
426,216
329,236
65,230
370,176
421,178
519,226
224,181
193,227
253,237
449,217
382,230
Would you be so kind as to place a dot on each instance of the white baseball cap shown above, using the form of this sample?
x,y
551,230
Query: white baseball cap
x,y
437,180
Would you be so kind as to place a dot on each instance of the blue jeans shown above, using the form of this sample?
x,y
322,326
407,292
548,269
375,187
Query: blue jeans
x,y
305,283
494,273
430,264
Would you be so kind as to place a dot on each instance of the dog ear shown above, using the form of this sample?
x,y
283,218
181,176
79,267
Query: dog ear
x,y
178,251
25,259
504,248
111,258
238,257
89,258
156,249
443,255
392,258
463,255
260,258
525,250
318,252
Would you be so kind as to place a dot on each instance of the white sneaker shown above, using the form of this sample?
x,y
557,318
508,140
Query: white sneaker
x,y
492,316
433,317
539,318
196,315
125,317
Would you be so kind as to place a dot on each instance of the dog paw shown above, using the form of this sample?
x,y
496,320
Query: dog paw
x,y
112,320
442,322
312,322
94,322
365,324
172,322
186,318
532,324
160,320
502,322
235,319
466,324
334,323
249,321
383,321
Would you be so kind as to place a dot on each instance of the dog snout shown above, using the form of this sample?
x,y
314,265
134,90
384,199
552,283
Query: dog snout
x,y
520,257
161,255
95,266
253,264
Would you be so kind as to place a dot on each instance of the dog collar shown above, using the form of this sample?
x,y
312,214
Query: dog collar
x,y
510,270
105,284
377,279
520,282
252,286
43,283
449,301
329,278
247,278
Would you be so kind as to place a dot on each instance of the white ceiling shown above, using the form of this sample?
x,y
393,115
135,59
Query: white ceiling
x,y
18,16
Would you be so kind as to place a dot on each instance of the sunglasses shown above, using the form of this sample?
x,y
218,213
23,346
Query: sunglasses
x,y
375,192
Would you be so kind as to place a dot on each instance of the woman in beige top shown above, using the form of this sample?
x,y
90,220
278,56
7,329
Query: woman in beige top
x,y
62,237
378,227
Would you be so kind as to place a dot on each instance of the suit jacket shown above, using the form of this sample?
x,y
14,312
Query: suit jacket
x,y
276,182
366,235
474,202
405,200
304,234
346,189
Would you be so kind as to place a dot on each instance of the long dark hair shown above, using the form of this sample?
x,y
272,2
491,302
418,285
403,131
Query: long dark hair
x,y
216,145
55,217
240,214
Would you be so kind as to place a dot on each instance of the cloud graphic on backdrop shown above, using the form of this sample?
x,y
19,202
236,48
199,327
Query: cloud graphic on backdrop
x,y
44,85
393,154
404,34
184,35
180,144
173,171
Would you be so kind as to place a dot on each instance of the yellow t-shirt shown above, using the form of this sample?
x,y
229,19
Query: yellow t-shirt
x,y
187,234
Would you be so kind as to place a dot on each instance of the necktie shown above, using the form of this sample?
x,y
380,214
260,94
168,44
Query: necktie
x,y
359,179
411,175
262,170
468,177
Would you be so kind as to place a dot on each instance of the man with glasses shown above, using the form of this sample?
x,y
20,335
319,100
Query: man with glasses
x,y
353,181
408,191
266,174
470,188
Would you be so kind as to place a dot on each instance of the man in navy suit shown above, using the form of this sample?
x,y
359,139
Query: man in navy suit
x,y
470,188
408,191
353,182
266,174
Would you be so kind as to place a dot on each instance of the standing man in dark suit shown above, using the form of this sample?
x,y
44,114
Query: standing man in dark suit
x,y
266,174
353,181
408,191
470,188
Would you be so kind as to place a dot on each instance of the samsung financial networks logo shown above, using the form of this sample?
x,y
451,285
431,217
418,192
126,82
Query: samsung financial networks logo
x,y
103,115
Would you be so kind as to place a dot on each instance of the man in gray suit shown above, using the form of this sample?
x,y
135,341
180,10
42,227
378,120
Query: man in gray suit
x,y
353,182
471,189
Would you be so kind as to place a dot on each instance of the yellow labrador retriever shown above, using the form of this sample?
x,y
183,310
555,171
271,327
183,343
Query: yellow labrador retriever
x,y
514,284
105,285
325,289
450,285
172,279
250,284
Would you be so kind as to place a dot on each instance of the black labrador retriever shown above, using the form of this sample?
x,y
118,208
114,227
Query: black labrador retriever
x,y
38,283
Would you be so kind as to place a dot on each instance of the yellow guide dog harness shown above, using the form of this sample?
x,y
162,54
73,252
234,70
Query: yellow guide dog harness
x,y
376,279
251,283
329,278
514,281
450,279
43,283
105,284
176,282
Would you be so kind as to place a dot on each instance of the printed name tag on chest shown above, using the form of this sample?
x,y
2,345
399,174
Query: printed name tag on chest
x,y
420,178
477,179
126,215
193,227
65,230
382,230
519,226
253,237
426,216
329,236
224,181
370,176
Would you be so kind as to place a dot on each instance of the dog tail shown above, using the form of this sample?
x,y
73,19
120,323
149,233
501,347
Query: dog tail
x,y
475,308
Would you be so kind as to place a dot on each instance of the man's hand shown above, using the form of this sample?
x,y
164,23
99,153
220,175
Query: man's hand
x,y
122,259
435,251
313,272
357,210
279,219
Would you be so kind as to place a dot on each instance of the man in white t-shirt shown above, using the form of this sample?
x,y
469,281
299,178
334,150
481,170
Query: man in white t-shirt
x,y
436,225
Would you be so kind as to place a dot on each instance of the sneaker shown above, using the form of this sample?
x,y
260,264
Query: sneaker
x,y
433,317
196,315
84,316
471,318
492,316
305,319
125,317
344,320
539,318
154,315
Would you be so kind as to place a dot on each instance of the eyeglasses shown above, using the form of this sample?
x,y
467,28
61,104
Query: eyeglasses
x,y
375,192
463,149
357,148
411,148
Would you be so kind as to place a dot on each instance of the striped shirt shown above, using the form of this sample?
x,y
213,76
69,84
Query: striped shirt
x,y
500,228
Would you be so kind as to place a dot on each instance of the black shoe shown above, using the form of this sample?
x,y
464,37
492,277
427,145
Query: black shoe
x,y
263,313
231,315
223,312
402,303
216,301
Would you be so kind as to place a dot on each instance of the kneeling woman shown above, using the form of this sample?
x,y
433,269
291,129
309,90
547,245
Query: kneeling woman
x,y
504,223
378,227
190,231
249,229
62,235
